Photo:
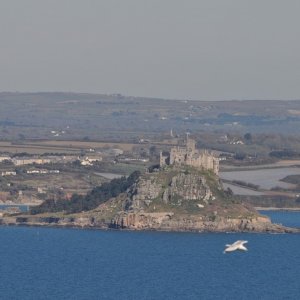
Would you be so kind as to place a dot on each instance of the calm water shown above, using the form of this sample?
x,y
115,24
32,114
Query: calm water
x,y
22,207
43,263
290,219
265,178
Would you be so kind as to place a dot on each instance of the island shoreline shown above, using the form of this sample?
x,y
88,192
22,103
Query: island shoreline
x,y
145,230
290,209
283,229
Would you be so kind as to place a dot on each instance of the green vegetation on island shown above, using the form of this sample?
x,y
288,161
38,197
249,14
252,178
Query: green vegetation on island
x,y
98,195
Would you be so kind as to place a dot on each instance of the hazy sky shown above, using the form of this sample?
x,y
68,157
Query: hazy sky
x,y
186,49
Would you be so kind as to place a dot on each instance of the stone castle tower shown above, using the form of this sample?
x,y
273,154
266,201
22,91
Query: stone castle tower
x,y
189,155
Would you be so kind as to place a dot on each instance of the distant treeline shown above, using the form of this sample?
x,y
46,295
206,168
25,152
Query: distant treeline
x,y
285,154
93,199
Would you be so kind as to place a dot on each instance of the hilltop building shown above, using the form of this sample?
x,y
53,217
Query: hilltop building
x,y
189,155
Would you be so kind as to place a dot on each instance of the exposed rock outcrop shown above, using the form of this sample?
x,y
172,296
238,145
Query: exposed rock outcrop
x,y
170,187
168,222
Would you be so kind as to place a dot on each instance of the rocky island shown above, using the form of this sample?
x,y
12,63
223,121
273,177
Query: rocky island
x,y
182,199
184,193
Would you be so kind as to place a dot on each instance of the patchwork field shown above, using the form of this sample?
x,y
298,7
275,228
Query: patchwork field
x,y
52,146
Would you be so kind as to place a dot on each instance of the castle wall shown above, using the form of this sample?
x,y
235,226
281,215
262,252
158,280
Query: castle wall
x,y
190,156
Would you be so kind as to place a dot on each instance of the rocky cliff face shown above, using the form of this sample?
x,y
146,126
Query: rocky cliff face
x,y
170,222
172,187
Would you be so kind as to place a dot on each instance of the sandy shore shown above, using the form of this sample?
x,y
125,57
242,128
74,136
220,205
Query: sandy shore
x,y
279,208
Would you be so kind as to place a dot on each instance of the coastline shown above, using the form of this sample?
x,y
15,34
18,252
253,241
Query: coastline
x,y
104,228
289,230
80,223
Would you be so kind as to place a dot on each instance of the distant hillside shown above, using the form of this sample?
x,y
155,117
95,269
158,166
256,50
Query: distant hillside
x,y
35,115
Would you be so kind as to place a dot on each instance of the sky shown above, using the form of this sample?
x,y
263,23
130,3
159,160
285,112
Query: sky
x,y
176,49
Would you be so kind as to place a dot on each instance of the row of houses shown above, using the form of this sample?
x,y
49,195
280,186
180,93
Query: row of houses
x,y
42,171
30,161
8,173
33,171
21,161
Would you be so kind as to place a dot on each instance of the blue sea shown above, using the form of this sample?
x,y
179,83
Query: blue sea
x,y
22,207
51,263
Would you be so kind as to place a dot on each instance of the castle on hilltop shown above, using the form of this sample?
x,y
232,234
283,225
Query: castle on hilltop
x,y
189,155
